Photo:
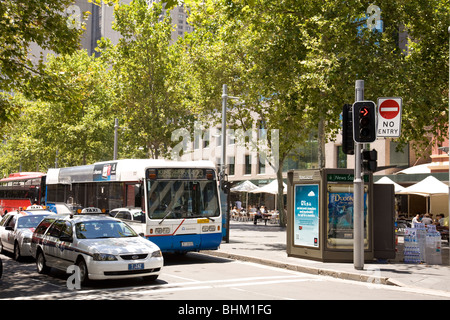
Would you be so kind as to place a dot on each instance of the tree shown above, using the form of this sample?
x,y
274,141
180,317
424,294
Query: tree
x,y
294,63
23,22
147,84
70,122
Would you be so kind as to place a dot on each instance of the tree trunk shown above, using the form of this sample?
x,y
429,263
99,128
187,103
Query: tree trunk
x,y
280,197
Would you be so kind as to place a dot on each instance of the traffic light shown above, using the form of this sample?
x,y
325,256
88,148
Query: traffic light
x,y
369,158
348,144
364,122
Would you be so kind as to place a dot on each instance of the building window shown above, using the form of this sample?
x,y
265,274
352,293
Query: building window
x,y
400,158
197,141
261,165
231,166
248,164
206,139
341,158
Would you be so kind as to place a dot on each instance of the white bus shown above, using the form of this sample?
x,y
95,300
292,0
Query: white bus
x,y
180,198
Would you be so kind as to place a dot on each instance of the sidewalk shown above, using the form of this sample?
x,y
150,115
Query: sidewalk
x,y
267,245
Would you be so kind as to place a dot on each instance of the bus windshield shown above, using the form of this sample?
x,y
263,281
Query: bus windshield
x,y
174,199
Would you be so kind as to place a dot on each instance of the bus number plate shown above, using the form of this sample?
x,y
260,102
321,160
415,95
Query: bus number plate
x,y
187,244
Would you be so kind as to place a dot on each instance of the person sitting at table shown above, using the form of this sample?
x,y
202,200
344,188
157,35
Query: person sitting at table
x,y
258,215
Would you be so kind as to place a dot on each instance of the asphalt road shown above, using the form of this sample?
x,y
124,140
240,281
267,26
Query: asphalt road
x,y
198,277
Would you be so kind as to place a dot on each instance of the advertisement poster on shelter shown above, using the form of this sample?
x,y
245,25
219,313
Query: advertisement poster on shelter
x,y
306,215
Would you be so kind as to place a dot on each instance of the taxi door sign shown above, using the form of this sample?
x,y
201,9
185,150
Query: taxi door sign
x,y
389,117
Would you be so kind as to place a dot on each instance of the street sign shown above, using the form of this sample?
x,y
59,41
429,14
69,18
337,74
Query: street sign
x,y
389,117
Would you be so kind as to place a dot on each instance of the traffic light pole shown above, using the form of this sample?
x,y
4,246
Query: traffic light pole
x,y
358,194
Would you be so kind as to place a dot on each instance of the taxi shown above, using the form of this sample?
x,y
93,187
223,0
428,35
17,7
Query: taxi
x,y
102,247
17,227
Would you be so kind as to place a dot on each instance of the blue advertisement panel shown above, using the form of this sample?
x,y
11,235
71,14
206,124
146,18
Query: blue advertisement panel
x,y
306,215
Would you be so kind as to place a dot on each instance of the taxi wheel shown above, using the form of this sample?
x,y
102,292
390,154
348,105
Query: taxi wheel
x,y
17,255
84,275
40,263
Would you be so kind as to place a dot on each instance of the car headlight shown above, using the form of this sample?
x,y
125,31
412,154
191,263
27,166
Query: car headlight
x,y
104,257
26,240
156,254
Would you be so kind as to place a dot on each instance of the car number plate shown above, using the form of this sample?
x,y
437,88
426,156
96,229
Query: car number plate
x,y
187,244
135,266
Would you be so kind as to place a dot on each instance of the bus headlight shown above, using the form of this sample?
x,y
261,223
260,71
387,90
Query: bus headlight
x,y
209,228
165,230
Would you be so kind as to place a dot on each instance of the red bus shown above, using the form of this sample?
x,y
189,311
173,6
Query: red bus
x,y
21,190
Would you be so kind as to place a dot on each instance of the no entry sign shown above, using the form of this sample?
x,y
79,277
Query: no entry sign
x,y
389,117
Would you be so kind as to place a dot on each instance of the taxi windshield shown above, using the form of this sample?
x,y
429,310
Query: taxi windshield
x,y
29,221
103,229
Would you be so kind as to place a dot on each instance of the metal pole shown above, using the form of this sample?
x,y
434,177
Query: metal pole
x,y
224,129
449,128
358,193
116,127
224,156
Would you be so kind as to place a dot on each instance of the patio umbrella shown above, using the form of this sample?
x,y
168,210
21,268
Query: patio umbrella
x,y
430,186
427,187
245,186
270,188
386,180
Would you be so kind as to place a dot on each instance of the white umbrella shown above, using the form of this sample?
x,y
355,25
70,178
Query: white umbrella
x,y
422,168
270,188
427,187
430,186
386,180
245,186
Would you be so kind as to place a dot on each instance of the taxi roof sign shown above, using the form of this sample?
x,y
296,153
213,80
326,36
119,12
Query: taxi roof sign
x,y
91,210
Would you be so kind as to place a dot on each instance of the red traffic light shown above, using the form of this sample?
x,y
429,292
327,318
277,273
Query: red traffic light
x,y
364,111
364,122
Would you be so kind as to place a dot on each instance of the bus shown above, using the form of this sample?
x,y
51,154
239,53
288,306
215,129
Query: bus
x,y
180,199
21,190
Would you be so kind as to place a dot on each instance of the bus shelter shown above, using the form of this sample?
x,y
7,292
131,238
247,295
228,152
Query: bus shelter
x,y
320,215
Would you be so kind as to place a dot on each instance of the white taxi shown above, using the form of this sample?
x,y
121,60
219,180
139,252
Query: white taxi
x,y
102,248
16,230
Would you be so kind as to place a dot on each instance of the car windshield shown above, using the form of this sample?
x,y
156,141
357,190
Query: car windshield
x,y
29,221
103,229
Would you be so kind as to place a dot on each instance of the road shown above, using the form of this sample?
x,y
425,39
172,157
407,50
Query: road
x,y
198,277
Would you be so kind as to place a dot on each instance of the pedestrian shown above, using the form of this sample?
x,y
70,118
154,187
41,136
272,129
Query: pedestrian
x,y
427,219
257,215
439,219
416,219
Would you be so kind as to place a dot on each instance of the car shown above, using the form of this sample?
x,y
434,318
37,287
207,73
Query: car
x,y
16,230
129,214
102,247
